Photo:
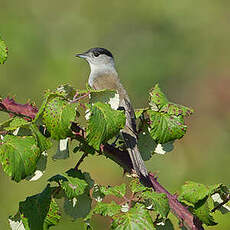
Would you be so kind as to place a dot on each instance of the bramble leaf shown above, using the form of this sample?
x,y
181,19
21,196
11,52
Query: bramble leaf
x,y
193,192
118,190
16,122
58,115
3,51
157,98
165,119
19,156
42,142
104,123
73,182
165,128
107,209
175,109
159,202
136,218
136,186
53,216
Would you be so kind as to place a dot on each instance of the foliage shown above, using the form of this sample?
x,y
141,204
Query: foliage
x,y
91,118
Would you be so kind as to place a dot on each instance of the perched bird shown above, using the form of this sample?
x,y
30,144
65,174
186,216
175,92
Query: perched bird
x,y
103,75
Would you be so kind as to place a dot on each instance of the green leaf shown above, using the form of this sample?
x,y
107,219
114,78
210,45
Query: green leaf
x,y
3,51
107,209
118,190
53,216
139,112
35,209
146,144
5,124
104,96
136,218
73,182
157,97
58,115
78,208
19,156
136,186
17,122
42,142
159,202
165,128
67,91
202,211
193,192
104,123
175,109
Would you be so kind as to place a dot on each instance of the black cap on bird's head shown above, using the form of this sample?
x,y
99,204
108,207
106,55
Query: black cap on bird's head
x,y
97,55
96,52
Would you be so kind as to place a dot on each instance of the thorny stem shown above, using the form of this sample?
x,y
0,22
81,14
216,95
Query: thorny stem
x,y
3,109
122,158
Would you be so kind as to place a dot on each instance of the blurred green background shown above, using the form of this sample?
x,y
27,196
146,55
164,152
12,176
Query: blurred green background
x,y
183,45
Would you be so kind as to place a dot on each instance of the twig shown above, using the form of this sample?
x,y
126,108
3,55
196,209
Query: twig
x,y
221,204
80,161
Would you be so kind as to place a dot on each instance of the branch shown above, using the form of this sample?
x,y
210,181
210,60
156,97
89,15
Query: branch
x,y
120,157
26,111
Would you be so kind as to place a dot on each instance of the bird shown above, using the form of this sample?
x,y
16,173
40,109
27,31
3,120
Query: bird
x,y
103,75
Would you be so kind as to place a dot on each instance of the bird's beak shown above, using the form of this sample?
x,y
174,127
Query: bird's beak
x,y
83,55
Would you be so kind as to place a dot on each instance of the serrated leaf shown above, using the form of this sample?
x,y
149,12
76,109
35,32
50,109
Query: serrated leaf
x,y
202,211
58,115
175,109
139,112
73,182
136,186
159,201
157,97
19,156
165,128
118,190
40,167
35,209
53,216
42,142
194,192
105,96
104,123
3,51
5,124
136,218
16,122
107,209
66,91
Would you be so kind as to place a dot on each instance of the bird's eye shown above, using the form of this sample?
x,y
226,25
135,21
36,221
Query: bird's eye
x,y
96,54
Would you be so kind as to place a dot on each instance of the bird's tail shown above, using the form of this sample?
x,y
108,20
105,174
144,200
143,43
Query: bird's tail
x,y
134,154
